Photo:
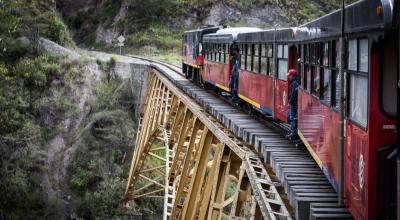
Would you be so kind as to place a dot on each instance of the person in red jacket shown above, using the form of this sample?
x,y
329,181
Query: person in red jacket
x,y
200,60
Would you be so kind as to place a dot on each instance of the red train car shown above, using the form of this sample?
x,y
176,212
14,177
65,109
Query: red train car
x,y
192,46
370,91
265,59
217,67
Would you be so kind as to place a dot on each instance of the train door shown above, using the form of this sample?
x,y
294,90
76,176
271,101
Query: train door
x,y
281,92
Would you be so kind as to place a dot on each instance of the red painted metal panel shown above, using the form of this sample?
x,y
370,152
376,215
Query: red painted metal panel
x,y
361,152
186,58
318,124
256,87
281,100
217,72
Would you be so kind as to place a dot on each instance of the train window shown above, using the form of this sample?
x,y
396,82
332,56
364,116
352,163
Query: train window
x,y
335,89
264,60
308,81
359,99
336,54
217,54
304,83
311,53
243,57
282,67
363,55
227,54
256,65
270,51
352,53
249,59
270,66
325,50
327,85
357,69
286,51
280,51
307,54
314,49
210,51
315,77
388,84
282,62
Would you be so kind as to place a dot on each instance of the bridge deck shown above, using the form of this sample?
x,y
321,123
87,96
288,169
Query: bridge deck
x,y
251,144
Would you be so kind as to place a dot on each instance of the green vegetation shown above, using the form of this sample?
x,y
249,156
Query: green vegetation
x,y
34,99
159,36
151,208
100,168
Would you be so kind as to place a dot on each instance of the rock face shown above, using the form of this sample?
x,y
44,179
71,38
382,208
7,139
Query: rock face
x,y
107,36
104,20
267,16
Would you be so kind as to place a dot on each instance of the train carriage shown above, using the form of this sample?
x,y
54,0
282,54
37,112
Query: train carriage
x,y
265,59
370,88
217,67
191,49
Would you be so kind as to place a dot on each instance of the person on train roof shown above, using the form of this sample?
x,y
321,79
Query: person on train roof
x,y
292,113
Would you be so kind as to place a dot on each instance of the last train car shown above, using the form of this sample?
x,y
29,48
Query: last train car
x,y
370,91
266,57
191,49
217,66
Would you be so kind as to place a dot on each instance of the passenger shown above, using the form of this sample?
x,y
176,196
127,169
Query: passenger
x,y
233,82
200,59
293,88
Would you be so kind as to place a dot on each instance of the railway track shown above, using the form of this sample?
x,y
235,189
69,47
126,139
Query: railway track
x,y
268,157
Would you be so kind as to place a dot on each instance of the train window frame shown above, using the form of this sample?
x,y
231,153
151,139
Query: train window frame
x,y
282,59
221,53
210,52
249,57
319,57
256,58
215,52
358,73
270,62
315,69
264,59
388,79
243,56
227,46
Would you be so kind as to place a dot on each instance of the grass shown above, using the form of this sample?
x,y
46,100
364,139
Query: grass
x,y
171,58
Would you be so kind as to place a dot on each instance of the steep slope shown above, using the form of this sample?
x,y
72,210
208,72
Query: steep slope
x,y
158,22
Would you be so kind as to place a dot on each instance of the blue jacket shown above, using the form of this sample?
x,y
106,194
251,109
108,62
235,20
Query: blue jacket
x,y
294,85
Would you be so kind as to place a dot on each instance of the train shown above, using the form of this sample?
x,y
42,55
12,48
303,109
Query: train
x,y
361,41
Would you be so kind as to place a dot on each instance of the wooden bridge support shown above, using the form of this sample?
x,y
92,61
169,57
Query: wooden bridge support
x,y
204,173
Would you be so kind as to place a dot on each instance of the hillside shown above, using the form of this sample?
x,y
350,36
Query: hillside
x,y
155,25
61,138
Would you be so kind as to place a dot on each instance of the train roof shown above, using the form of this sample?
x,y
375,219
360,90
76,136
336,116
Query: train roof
x,y
282,35
360,16
204,30
228,35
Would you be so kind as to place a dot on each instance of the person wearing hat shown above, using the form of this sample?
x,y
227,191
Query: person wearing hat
x,y
293,88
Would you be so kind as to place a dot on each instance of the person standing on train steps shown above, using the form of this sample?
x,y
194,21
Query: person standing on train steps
x,y
293,88
233,82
